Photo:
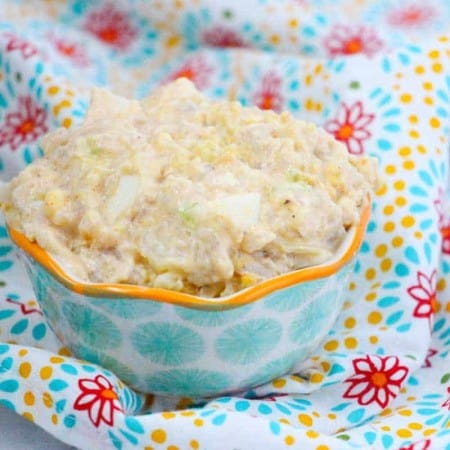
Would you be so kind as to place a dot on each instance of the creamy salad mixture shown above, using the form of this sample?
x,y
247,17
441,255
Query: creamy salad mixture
x,y
186,193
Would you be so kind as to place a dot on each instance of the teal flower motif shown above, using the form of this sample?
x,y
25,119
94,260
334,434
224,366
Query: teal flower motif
x,y
23,109
6,364
131,401
167,343
211,318
129,308
92,328
106,361
276,88
376,123
395,315
9,386
19,327
293,297
43,283
4,348
310,320
200,29
208,69
57,385
249,341
6,260
190,382
441,331
126,35
418,17
429,183
277,368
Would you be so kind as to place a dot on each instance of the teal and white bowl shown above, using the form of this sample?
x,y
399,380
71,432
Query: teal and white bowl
x,y
170,343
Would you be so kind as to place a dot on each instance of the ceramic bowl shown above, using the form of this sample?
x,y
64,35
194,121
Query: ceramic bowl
x,y
170,343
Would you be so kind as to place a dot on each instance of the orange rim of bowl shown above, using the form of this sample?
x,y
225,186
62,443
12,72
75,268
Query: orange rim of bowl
x,y
248,295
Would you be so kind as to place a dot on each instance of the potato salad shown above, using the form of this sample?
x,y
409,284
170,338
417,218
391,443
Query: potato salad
x,y
183,192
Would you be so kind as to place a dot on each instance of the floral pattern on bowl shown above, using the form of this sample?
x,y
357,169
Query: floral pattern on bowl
x,y
170,343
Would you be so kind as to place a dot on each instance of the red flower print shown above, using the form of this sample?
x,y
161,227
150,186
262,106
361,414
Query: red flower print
x,y
17,43
438,206
99,399
445,233
412,15
274,396
24,125
431,352
420,445
29,307
424,293
70,50
350,126
269,95
377,379
195,69
443,222
112,26
221,36
446,404
349,40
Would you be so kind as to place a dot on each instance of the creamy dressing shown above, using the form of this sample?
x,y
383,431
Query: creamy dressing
x,y
187,193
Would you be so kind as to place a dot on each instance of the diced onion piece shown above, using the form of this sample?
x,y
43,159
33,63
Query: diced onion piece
x,y
241,210
124,196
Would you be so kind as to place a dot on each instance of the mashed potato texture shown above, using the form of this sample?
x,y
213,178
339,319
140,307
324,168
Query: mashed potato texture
x,y
183,192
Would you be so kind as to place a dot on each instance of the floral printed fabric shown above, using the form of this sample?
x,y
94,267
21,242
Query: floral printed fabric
x,y
376,75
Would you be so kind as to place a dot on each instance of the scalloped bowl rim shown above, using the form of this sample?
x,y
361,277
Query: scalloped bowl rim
x,y
347,251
